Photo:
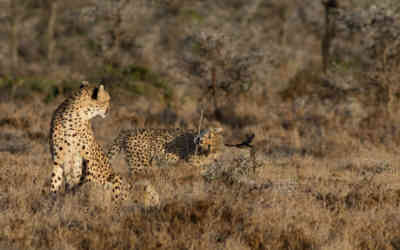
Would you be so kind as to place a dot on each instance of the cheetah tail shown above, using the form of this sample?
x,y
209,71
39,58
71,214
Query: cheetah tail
x,y
244,144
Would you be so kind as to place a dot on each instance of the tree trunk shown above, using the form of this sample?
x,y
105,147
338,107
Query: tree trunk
x,y
330,30
14,43
51,42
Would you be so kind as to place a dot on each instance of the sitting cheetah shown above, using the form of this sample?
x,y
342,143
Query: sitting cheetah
x,y
144,145
74,150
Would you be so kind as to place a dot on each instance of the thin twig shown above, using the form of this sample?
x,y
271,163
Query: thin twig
x,y
199,128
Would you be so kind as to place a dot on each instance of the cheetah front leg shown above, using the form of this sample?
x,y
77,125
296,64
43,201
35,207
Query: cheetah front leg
x,y
70,170
73,172
56,177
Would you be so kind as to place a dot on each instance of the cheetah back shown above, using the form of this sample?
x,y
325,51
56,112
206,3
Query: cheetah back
x,y
144,145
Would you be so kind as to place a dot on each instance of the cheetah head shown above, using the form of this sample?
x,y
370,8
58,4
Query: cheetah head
x,y
93,101
209,140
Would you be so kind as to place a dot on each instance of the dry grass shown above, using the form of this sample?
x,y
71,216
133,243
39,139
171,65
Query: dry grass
x,y
323,172
289,197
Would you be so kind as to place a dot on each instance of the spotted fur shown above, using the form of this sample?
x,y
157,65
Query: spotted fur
x,y
142,146
76,155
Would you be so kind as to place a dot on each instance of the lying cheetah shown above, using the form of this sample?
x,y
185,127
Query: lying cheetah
x,y
144,145
73,146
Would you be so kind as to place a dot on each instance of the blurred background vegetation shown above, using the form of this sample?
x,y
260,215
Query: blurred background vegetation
x,y
330,64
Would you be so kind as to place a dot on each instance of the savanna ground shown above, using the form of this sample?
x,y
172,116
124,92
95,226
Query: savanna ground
x,y
317,84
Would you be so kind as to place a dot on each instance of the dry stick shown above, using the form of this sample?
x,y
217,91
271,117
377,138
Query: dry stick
x,y
212,87
199,129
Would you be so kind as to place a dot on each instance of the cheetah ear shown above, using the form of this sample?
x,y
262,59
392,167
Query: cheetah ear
x,y
84,84
97,92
